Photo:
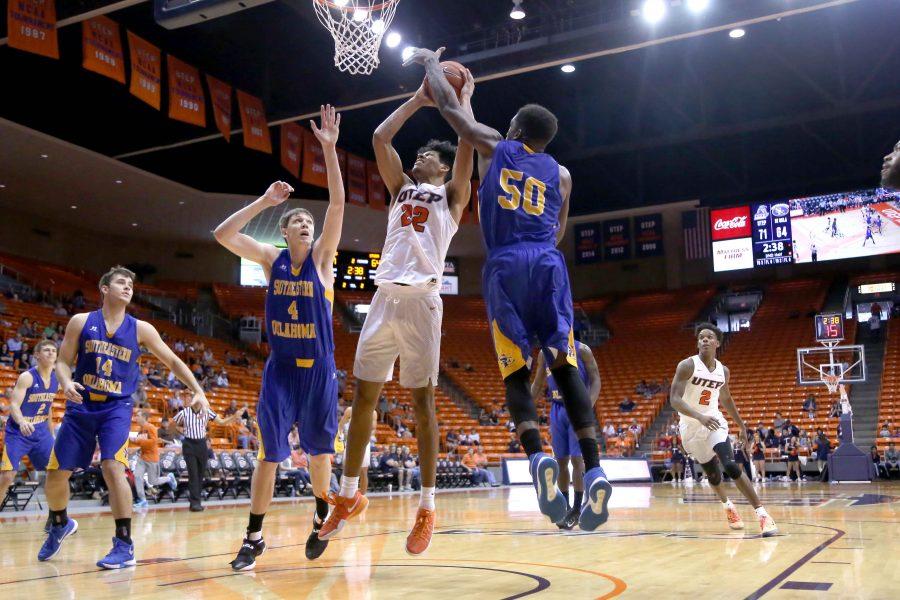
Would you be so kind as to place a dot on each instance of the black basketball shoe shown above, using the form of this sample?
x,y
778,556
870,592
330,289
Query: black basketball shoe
x,y
246,557
314,546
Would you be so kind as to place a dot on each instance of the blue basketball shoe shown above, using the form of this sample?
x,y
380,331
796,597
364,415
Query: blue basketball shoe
x,y
544,473
597,491
121,556
55,538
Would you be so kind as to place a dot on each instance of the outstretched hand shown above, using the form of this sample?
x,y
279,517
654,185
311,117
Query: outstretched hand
x,y
468,87
420,55
277,193
331,126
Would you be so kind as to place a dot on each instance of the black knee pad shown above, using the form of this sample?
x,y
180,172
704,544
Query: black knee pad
x,y
713,472
518,397
733,470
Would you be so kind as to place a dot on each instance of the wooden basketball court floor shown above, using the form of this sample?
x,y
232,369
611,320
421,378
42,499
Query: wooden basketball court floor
x,y
662,541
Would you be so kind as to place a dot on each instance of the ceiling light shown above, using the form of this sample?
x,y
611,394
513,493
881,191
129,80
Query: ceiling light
x,y
355,239
653,11
181,202
697,6
407,52
134,224
378,26
45,156
2,186
517,11
341,2
568,68
393,39
118,181
737,33
73,207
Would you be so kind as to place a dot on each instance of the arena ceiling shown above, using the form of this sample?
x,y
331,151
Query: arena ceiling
x,y
804,103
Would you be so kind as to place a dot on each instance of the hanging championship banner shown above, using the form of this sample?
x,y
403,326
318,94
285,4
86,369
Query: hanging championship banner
x,y
587,244
145,70
617,239
253,122
31,26
648,236
356,179
375,184
102,48
291,146
220,94
186,100
313,161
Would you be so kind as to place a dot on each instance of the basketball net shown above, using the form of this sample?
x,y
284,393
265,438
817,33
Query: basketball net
x,y
832,381
357,27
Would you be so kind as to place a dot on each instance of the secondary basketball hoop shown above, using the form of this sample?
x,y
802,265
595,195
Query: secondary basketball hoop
x,y
357,27
830,363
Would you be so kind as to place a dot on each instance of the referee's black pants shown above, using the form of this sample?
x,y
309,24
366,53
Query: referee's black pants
x,y
194,452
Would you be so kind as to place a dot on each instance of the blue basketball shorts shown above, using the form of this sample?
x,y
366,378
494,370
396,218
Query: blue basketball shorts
x,y
562,434
302,392
85,425
36,446
528,296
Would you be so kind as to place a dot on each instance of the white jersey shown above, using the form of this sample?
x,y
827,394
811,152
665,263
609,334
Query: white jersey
x,y
419,231
702,390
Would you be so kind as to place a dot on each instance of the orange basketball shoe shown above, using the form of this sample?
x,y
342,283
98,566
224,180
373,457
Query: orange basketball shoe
x,y
734,517
344,510
419,538
767,525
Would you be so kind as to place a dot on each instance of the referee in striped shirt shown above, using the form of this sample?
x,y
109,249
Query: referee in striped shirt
x,y
193,421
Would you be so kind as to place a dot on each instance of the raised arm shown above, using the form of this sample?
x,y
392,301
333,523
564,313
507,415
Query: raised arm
x,y
590,365
676,396
228,233
390,167
481,136
540,378
66,358
727,401
565,189
15,405
327,244
149,337
460,186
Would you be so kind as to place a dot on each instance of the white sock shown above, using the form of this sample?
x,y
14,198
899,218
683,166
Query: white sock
x,y
727,504
761,512
254,536
426,500
349,485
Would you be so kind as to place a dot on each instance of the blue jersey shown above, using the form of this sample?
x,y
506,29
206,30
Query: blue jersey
x,y
553,389
108,363
36,406
519,199
298,311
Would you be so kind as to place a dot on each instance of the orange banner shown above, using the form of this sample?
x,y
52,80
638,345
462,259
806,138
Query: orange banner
x,y
253,121
314,172
102,48
220,94
146,70
186,100
375,185
31,26
291,147
356,179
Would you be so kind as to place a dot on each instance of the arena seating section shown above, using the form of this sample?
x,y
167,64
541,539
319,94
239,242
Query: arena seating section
x,y
649,335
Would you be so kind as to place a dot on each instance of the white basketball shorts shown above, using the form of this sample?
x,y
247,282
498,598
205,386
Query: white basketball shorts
x,y
403,322
698,441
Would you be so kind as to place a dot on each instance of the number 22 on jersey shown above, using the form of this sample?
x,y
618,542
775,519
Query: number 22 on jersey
x,y
531,197
414,215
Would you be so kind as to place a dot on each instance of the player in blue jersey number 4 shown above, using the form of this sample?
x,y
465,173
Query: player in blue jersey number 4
x,y
524,202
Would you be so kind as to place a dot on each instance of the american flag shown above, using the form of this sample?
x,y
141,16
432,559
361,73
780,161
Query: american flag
x,y
695,226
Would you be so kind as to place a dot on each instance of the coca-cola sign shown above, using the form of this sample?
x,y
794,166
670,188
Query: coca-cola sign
x,y
730,223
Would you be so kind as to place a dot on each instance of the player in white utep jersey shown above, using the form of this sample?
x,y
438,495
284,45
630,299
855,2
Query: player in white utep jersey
x,y
405,317
700,383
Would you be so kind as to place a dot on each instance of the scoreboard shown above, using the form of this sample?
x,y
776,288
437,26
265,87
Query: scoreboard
x,y
772,234
355,270
829,327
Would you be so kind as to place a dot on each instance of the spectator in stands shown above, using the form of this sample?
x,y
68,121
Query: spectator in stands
x,y
172,381
406,464
139,397
222,379
494,417
389,463
24,329
474,438
788,429
483,418
293,436
243,361
835,409
823,449
874,328
179,347
22,358
6,356
778,440
168,432
452,440
481,462
14,346
880,468
635,429
892,460
762,430
246,438
296,466
514,447
885,431
778,422
627,405
510,425
232,408
470,464
469,368
382,408
155,378
678,460
174,403
809,405
148,461
49,330
896,432
208,358
403,431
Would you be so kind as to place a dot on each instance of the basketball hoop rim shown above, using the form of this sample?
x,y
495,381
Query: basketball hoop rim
x,y
348,8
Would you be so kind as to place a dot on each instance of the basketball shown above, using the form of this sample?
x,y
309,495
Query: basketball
x,y
455,74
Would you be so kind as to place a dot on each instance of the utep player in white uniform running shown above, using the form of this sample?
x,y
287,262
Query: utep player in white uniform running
x,y
406,313
700,383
